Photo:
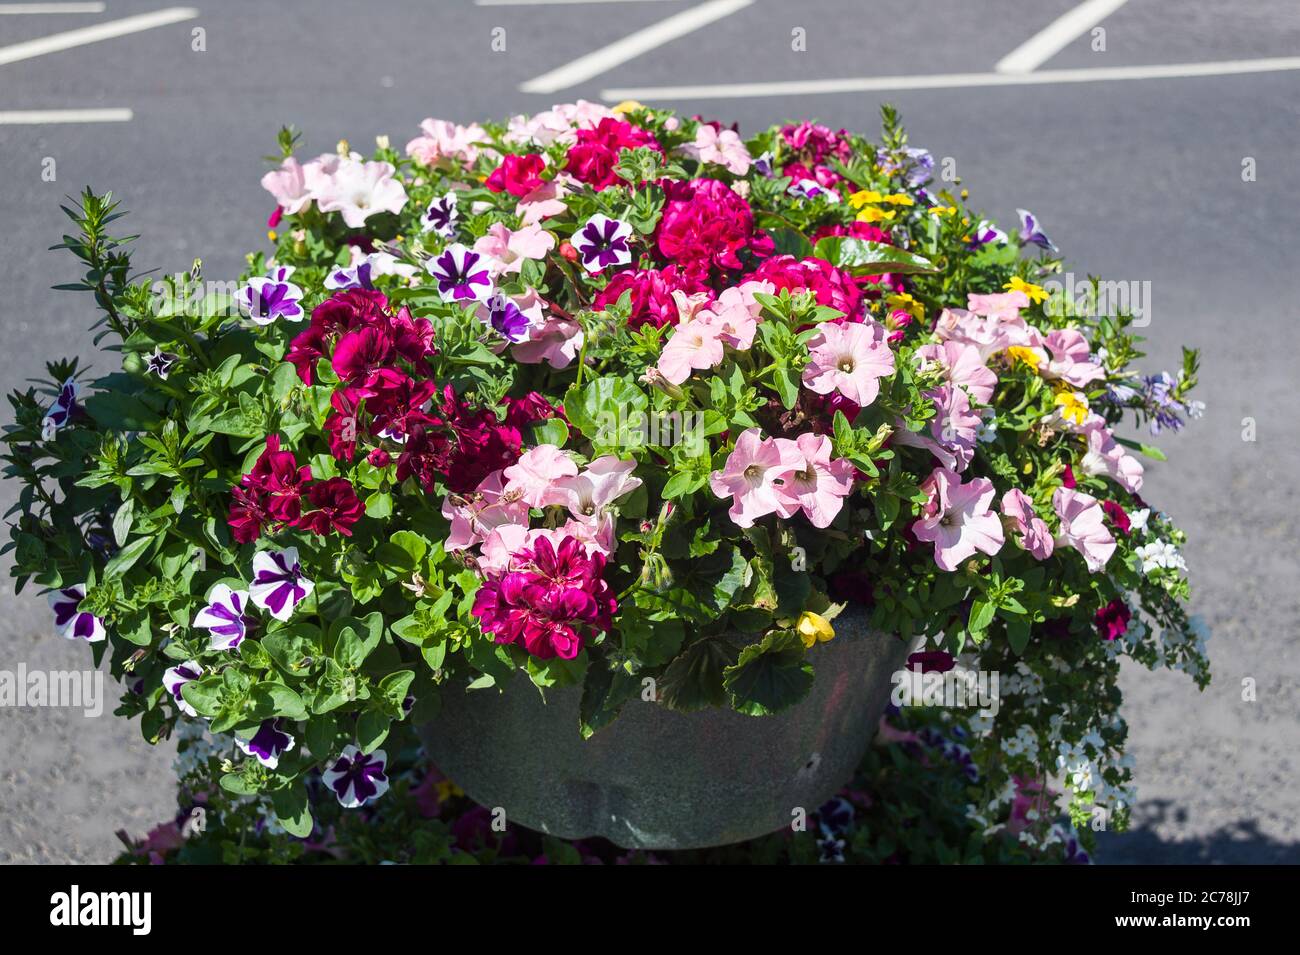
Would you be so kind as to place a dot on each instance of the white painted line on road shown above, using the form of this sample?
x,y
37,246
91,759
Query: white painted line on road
x,y
943,81
16,8
632,46
39,117
1056,36
100,31
550,3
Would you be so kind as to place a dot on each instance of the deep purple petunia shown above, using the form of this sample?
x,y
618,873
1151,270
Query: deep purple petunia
x,y
356,778
462,274
440,218
603,242
268,744
71,623
1032,234
273,296
225,617
60,412
278,583
504,316
175,678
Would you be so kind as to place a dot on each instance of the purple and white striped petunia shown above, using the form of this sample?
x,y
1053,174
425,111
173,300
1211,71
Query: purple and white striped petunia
x,y
269,743
358,275
357,779
502,314
278,584
441,216
225,617
159,363
811,189
60,412
763,164
71,623
462,274
602,242
1031,234
987,232
272,296
174,678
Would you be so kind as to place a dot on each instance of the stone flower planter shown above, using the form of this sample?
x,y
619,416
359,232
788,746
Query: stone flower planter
x,y
657,779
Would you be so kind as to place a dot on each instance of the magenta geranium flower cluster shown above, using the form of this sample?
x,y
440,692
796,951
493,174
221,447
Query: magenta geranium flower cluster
x,y
617,398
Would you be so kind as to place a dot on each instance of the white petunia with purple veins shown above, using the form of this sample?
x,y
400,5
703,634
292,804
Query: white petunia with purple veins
x,y
357,779
1032,234
175,678
278,584
72,623
268,298
603,242
269,743
811,189
462,274
359,275
504,316
60,412
225,617
159,363
441,216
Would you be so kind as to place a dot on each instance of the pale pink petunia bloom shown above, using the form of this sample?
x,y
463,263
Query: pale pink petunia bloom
x,y
1034,534
958,518
359,190
288,185
1071,358
507,249
849,358
554,340
953,431
535,474
474,516
545,201
816,485
695,345
962,365
1083,527
722,147
1001,305
988,333
589,494
751,477
1107,456
445,143
736,313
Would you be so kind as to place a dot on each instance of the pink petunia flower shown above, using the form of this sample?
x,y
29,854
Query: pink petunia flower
x,y
958,519
1035,536
722,147
359,190
556,341
1071,358
474,516
1083,527
506,249
695,345
751,477
849,358
289,186
591,491
953,433
1107,456
815,484
445,143
536,472
962,365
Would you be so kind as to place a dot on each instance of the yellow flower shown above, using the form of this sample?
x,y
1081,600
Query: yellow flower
x,y
865,197
1027,356
943,210
1074,406
814,628
872,214
908,304
899,199
270,234
628,106
343,148
1036,293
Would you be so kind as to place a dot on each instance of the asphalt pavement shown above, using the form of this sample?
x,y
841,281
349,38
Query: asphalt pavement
x,y
1135,171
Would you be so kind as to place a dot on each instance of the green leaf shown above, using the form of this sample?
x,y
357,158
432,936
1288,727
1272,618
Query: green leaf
x,y
119,411
863,257
769,676
276,699
126,558
604,692
694,680
291,808
372,730
981,615
1018,634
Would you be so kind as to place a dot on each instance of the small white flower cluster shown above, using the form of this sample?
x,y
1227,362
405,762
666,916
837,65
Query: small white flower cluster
x,y
1023,682
1072,760
196,746
1024,743
1160,554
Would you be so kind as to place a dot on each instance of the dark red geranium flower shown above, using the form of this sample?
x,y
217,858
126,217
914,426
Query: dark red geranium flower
x,y
269,493
931,661
517,175
1112,619
652,293
705,223
334,507
361,353
1118,516
832,287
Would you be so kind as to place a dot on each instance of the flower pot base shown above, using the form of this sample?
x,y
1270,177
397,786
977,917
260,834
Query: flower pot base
x,y
659,779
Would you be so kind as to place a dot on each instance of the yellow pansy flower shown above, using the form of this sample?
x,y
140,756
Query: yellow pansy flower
x,y
1074,406
627,106
865,197
814,628
1036,293
1026,356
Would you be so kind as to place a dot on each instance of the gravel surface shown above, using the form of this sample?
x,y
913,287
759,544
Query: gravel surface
x,y
1135,180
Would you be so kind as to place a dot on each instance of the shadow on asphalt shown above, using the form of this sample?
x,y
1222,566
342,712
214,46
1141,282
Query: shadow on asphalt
x,y
1240,843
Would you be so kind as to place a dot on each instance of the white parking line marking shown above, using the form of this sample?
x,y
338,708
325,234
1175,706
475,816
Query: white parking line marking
x,y
632,46
1056,36
550,3
100,31
14,8
37,117
943,81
